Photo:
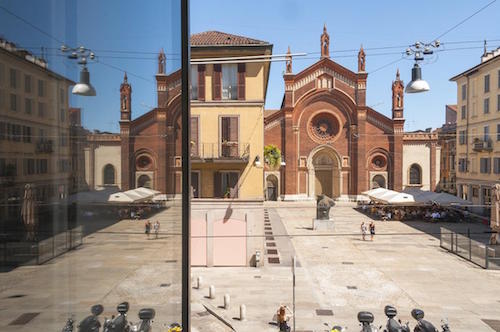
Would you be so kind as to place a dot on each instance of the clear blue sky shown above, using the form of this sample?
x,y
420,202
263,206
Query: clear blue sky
x,y
147,26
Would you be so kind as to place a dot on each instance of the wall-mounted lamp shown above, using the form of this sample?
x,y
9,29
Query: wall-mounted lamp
x,y
283,163
257,162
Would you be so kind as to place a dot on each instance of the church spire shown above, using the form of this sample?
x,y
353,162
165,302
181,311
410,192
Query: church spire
x,y
125,99
325,43
397,97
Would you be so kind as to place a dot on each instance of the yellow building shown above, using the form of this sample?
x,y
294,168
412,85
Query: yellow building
x,y
34,130
478,130
227,109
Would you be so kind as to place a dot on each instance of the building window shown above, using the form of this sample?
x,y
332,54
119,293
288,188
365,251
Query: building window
x,y
42,166
485,165
27,84
13,102
486,105
63,115
415,174
462,165
41,110
498,132
63,139
452,162
487,83
194,136
194,82
13,78
109,175
41,88
61,95
487,196
496,165
27,106
462,137
475,191
486,131
29,166
230,81
26,134
64,165
464,92
229,136
464,112
226,184
498,103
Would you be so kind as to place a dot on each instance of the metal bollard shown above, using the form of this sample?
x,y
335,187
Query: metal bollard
x,y
198,282
243,312
227,301
211,292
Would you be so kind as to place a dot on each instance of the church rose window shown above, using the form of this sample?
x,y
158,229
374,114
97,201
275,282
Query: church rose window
x,y
379,162
143,162
324,127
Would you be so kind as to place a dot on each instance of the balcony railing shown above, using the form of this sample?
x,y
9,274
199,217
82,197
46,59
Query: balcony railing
x,y
482,145
44,146
224,151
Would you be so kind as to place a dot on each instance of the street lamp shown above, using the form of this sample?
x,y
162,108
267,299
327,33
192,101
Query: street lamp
x,y
419,50
82,88
417,84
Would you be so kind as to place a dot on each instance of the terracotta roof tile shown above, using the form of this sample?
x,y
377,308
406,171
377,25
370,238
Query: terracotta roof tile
x,y
452,107
217,38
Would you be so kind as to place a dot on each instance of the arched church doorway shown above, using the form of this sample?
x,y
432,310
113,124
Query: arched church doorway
x,y
378,182
326,169
272,188
144,181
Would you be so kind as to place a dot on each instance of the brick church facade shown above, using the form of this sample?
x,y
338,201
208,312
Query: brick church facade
x,y
331,141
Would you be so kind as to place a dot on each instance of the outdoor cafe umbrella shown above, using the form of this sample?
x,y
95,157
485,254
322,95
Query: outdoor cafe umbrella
x,y
28,211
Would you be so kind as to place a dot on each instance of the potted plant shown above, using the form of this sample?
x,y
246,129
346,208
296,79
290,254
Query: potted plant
x,y
272,156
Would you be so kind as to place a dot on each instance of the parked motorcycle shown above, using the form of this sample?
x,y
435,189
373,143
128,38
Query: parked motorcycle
x,y
69,325
366,319
174,327
444,325
394,325
336,328
118,323
422,324
146,316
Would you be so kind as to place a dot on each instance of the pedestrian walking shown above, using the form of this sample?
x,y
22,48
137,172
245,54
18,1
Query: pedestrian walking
x,y
363,230
156,228
147,226
372,230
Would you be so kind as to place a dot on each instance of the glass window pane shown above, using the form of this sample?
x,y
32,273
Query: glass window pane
x,y
91,177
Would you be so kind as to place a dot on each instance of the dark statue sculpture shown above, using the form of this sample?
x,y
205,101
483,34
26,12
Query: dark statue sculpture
x,y
323,205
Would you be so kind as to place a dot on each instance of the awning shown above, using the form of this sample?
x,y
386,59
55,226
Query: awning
x,y
429,197
137,195
387,196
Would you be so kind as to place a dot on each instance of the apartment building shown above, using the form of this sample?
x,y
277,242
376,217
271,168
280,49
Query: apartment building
x,y
478,128
34,130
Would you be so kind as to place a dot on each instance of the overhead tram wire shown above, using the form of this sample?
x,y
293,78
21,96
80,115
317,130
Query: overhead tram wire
x,y
31,25
465,20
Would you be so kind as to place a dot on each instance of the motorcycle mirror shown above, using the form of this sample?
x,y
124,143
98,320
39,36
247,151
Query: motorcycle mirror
x,y
97,309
